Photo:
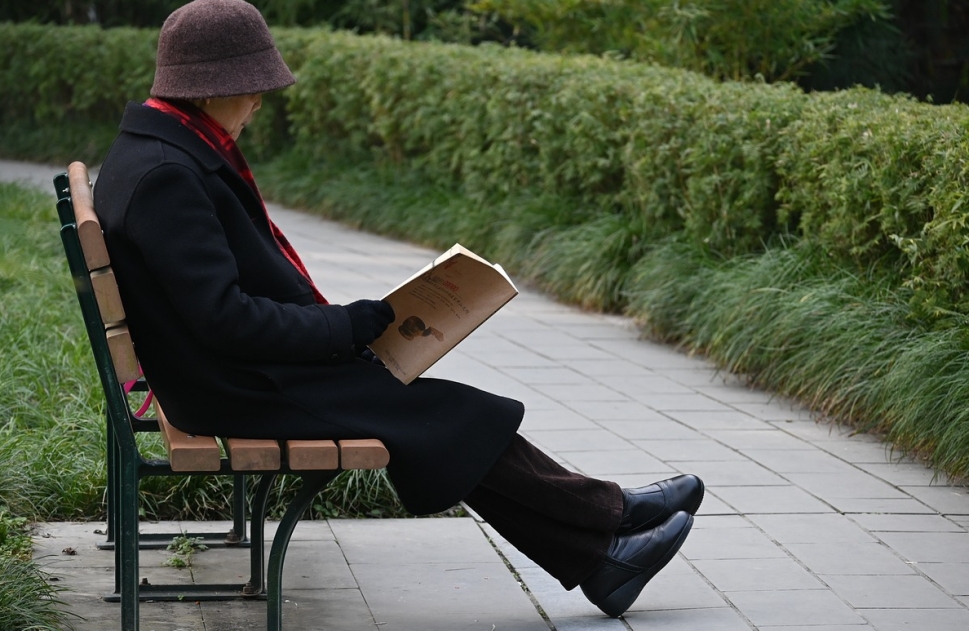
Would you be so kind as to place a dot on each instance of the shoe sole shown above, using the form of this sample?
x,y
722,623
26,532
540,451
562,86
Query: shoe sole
x,y
619,601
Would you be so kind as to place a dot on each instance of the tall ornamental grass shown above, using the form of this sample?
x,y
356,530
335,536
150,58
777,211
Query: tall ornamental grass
x,y
28,600
842,341
50,435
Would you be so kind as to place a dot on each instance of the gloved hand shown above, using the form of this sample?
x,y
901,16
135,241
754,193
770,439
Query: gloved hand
x,y
368,319
369,356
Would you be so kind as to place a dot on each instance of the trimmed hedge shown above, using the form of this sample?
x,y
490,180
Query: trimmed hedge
x,y
874,179
81,73
588,175
870,177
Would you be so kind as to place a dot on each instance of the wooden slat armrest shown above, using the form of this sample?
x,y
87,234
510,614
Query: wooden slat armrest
x,y
368,453
252,454
188,452
312,455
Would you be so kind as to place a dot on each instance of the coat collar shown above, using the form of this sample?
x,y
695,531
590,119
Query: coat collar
x,y
147,121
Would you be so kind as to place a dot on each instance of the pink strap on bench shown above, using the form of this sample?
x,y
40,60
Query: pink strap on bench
x,y
147,404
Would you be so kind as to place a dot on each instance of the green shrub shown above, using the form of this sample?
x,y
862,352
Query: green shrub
x,y
658,151
938,250
702,159
269,132
83,73
874,178
63,89
730,166
321,109
853,174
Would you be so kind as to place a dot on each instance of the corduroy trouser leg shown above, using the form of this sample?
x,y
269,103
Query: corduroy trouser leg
x,y
564,521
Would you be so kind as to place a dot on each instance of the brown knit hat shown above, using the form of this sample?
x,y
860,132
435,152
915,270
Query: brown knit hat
x,y
216,48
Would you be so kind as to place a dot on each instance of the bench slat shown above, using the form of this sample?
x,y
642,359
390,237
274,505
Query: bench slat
x,y
366,453
252,454
310,455
123,354
188,452
106,293
88,226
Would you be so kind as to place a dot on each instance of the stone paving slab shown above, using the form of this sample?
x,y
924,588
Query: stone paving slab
x,y
805,526
339,575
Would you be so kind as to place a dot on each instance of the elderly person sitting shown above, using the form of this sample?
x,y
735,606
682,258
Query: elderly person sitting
x,y
235,338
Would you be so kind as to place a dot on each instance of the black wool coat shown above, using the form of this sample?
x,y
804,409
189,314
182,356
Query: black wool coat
x,y
232,342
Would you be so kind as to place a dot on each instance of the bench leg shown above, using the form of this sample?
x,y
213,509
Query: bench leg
x,y
313,483
257,548
113,501
236,537
129,542
126,549
238,533
112,480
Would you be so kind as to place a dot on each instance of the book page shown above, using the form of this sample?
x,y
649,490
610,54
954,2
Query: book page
x,y
438,307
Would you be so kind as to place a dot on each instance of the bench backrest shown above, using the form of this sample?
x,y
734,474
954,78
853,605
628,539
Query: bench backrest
x,y
103,284
114,354
97,293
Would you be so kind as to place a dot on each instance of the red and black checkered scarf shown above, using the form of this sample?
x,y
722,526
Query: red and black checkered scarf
x,y
214,135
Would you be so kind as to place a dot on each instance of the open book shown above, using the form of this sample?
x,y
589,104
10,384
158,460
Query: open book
x,y
438,307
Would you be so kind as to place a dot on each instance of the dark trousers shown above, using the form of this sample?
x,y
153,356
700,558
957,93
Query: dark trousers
x,y
562,520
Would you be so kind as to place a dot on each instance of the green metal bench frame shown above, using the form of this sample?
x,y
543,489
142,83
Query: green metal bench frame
x,y
127,466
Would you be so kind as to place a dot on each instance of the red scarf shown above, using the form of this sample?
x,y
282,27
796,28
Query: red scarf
x,y
215,136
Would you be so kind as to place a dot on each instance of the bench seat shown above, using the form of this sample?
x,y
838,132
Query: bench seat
x,y
193,453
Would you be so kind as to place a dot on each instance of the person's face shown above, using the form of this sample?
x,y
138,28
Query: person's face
x,y
233,112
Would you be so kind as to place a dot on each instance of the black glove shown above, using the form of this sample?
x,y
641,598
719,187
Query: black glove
x,y
369,356
368,319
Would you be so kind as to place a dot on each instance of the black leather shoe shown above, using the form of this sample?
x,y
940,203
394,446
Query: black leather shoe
x,y
649,506
631,561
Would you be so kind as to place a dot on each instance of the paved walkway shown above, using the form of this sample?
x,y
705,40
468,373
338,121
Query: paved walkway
x,y
804,527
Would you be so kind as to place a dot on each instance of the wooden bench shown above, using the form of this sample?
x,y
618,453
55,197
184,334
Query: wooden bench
x,y
316,462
